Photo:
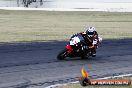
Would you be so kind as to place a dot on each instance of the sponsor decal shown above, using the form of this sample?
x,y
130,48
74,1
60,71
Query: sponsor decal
x,y
85,80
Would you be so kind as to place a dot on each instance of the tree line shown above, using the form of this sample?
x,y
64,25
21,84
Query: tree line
x,y
28,2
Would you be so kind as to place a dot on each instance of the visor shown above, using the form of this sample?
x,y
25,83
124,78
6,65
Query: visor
x,y
90,34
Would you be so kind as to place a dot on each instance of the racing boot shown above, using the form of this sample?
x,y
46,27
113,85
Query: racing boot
x,y
93,52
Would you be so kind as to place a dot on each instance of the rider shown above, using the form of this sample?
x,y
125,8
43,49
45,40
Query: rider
x,y
91,39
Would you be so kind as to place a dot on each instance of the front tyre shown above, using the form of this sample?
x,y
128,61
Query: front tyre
x,y
62,55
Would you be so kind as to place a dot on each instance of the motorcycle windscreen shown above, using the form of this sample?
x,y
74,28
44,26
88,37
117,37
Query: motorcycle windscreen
x,y
76,39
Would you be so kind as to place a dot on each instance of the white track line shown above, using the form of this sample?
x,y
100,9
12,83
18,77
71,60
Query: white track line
x,y
66,9
57,85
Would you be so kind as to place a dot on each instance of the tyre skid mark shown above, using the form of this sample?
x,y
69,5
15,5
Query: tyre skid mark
x,y
71,65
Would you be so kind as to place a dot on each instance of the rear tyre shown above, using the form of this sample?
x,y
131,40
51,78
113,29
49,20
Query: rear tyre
x,y
85,56
62,55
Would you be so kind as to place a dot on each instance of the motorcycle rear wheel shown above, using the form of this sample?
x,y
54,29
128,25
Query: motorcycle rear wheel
x,y
85,56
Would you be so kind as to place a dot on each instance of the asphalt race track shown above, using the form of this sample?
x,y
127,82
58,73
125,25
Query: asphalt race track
x,y
34,65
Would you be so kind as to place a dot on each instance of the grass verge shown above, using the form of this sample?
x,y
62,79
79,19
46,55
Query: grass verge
x,y
27,26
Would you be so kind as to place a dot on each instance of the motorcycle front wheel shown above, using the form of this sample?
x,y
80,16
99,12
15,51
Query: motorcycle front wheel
x,y
62,54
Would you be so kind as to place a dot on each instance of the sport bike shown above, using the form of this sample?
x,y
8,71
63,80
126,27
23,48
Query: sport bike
x,y
75,48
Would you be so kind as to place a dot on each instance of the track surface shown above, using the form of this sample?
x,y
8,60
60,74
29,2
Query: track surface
x,y
34,65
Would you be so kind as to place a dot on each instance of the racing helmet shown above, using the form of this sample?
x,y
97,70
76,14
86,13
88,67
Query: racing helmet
x,y
90,31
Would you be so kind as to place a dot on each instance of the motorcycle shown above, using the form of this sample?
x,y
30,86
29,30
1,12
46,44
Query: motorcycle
x,y
75,48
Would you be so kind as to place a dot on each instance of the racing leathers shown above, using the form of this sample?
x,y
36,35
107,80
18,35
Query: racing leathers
x,y
91,42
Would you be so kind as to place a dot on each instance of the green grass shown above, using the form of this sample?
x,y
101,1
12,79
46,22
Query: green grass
x,y
99,86
28,26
